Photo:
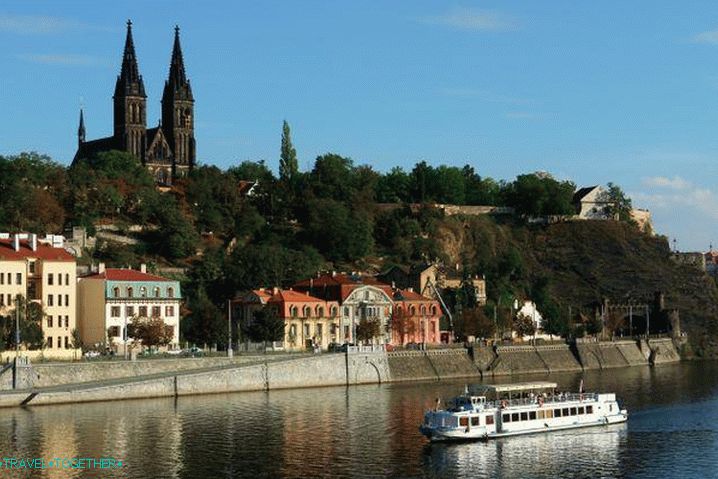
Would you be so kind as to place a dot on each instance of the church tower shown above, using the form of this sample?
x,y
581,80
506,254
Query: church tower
x,y
178,113
81,130
130,103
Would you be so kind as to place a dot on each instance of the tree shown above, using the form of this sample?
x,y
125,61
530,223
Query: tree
x,y
402,325
619,205
30,319
150,331
615,322
594,325
474,322
266,326
205,323
540,195
288,165
524,325
368,329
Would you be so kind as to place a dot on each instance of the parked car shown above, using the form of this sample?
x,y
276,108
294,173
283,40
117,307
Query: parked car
x,y
91,354
334,348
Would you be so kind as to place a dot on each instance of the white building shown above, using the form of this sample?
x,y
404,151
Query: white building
x,y
111,298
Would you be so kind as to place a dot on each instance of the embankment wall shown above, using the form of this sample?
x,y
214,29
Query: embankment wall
x,y
431,365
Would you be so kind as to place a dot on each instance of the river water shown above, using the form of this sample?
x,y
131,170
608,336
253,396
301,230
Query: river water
x,y
371,431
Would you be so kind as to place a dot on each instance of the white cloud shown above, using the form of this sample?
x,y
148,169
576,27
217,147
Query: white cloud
x,y
61,59
675,183
709,37
463,18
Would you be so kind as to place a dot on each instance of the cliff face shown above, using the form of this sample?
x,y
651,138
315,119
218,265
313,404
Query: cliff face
x,y
584,262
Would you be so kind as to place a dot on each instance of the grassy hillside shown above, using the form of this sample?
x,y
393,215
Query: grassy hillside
x,y
581,263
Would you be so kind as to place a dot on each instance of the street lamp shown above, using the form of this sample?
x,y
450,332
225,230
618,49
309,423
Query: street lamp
x,y
230,352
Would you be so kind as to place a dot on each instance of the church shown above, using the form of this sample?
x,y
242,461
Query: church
x,y
168,150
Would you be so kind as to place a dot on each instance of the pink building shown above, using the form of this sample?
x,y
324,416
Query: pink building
x,y
415,318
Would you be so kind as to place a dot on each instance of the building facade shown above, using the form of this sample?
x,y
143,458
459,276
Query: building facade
x,y
40,271
109,300
167,150
415,318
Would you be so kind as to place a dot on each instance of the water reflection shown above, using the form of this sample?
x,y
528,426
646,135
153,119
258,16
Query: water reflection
x,y
371,431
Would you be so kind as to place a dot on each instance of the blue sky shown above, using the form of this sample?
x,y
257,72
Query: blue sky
x,y
590,91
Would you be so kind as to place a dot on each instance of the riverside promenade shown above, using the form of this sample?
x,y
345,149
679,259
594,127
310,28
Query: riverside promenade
x,y
30,385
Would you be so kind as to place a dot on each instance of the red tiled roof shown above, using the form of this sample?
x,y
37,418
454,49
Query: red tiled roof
x,y
406,295
118,274
44,252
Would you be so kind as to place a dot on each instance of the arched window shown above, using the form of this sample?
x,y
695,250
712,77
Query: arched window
x,y
157,292
423,310
130,292
307,312
143,292
116,292
320,312
294,311
170,292
412,310
334,311
433,310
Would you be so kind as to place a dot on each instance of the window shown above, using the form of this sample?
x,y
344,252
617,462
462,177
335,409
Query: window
x,y
67,300
9,278
156,311
49,321
2,278
129,311
541,414
307,330
294,311
346,311
320,330
67,342
589,409
307,312
169,310
130,292
59,300
524,416
59,342
320,312
506,418
573,411
293,330
549,413
171,330
489,420
2,300
334,311
143,292
59,279
463,421
49,300
50,279
565,412
67,279
18,278
116,292
556,413
143,311
346,331
170,292
532,415
67,321
157,292
514,417
49,341
114,331
581,410
115,311
474,420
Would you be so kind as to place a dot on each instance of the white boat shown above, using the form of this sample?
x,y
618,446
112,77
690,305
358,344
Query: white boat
x,y
520,408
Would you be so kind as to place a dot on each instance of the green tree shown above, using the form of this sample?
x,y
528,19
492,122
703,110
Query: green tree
x,y
368,329
205,323
540,195
266,326
30,318
150,332
524,325
619,204
288,164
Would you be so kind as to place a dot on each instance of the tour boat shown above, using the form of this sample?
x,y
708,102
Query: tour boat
x,y
502,410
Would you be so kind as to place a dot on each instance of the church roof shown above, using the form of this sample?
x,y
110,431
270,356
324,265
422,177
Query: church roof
x,y
177,84
90,149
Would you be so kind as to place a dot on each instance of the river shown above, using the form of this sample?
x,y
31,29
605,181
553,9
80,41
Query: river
x,y
371,431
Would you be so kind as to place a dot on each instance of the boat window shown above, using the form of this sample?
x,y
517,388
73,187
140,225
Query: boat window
x,y
532,415
549,413
573,411
541,414
565,412
490,419
474,420
610,408
524,416
556,413
581,410
589,409
507,418
463,421
514,417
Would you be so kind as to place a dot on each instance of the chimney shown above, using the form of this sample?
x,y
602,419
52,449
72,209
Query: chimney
x,y
275,290
311,283
33,241
410,289
334,273
101,268
16,242
143,268
457,267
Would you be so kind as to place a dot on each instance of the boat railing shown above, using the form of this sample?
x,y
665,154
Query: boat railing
x,y
548,399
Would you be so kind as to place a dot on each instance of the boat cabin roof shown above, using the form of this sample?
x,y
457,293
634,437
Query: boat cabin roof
x,y
516,387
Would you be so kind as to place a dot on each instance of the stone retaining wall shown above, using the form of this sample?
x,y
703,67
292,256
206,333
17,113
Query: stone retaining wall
x,y
608,355
663,351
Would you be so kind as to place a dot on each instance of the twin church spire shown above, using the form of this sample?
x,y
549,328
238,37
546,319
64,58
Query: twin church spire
x,y
167,150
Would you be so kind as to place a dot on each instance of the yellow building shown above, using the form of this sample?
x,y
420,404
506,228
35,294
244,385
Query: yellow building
x,y
41,271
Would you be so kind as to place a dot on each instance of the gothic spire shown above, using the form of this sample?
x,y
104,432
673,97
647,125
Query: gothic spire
x,y
177,82
129,82
81,129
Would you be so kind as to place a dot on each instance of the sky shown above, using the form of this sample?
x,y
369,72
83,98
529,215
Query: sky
x,y
593,92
